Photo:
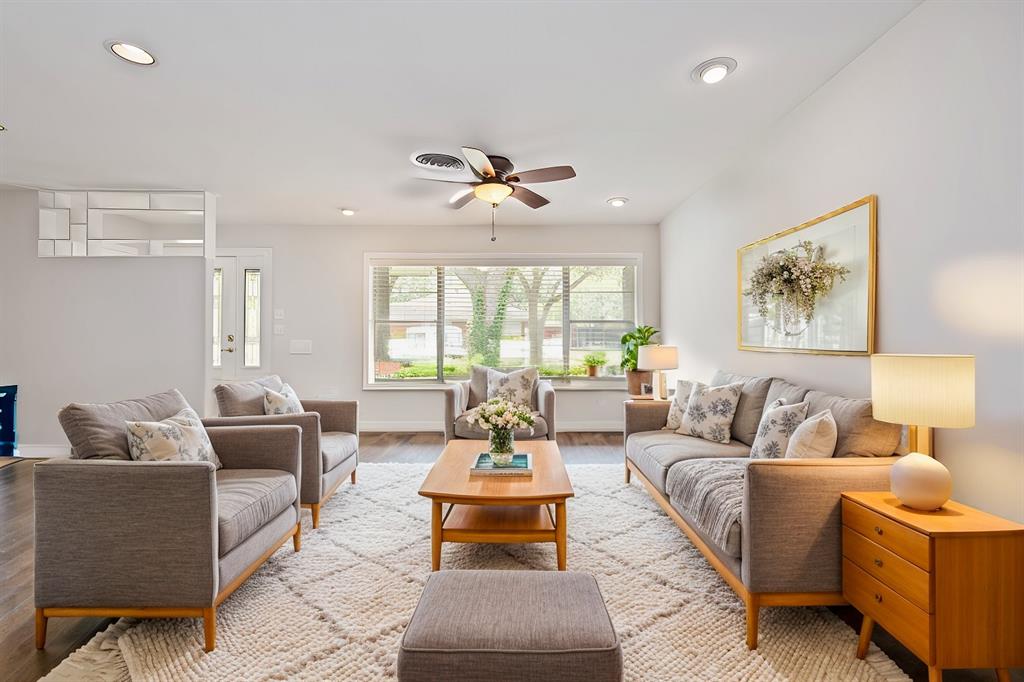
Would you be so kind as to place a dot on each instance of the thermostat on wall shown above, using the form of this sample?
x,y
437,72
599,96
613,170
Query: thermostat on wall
x,y
300,347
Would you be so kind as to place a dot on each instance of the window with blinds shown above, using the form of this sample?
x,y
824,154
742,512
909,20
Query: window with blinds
x,y
429,322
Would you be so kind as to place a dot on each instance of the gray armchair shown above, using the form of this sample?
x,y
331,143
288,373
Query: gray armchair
x,y
463,395
330,435
116,537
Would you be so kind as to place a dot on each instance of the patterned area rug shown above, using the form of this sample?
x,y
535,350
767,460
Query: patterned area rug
x,y
337,609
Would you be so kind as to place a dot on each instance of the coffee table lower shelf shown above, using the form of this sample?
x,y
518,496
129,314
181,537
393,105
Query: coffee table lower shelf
x,y
498,524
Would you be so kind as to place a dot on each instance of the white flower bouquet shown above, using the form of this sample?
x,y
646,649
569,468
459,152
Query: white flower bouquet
x,y
500,418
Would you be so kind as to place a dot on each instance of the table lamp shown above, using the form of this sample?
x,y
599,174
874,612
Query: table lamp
x,y
657,358
922,391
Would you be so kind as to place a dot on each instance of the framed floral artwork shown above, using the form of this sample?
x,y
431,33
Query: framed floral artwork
x,y
811,288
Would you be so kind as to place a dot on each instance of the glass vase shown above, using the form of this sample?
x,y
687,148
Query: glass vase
x,y
502,444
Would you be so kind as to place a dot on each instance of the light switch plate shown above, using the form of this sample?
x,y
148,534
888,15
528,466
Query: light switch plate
x,y
278,329
278,313
300,347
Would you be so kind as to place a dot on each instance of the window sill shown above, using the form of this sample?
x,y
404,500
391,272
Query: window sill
x,y
608,386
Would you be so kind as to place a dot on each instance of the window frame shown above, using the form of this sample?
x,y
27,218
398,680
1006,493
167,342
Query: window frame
x,y
371,259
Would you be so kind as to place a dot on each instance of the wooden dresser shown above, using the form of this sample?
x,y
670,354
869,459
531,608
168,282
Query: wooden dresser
x,y
948,584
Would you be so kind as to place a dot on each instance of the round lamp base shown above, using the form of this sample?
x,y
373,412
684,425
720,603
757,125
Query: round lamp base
x,y
920,482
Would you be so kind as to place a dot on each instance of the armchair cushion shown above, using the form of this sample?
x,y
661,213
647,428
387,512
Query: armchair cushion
x,y
248,499
337,447
463,429
245,398
97,430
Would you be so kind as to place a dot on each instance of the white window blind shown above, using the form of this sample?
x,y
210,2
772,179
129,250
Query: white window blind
x,y
430,320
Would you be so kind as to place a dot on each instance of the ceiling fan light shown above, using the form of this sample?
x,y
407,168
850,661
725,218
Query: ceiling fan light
x,y
492,192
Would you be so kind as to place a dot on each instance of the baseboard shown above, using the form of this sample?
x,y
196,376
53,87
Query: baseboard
x,y
434,427
36,450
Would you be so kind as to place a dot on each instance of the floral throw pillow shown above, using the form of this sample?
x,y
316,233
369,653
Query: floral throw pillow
x,y
678,406
710,410
180,438
515,387
778,424
285,402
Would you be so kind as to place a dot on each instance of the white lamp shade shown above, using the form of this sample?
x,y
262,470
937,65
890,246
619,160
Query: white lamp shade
x,y
923,390
657,357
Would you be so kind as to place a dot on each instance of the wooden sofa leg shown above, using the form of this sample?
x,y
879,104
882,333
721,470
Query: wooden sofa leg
x,y
40,629
353,477
315,508
628,473
753,611
297,538
209,629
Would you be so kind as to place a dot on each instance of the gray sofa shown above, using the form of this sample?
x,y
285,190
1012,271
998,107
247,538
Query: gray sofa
x,y
771,527
330,435
117,537
465,395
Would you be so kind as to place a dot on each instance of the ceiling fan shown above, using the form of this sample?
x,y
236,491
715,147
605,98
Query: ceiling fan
x,y
498,181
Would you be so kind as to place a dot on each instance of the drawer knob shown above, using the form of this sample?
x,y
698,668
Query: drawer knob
x,y
878,598
878,530
878,562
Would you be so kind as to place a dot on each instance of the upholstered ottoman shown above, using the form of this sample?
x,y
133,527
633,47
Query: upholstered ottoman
x,y
522,626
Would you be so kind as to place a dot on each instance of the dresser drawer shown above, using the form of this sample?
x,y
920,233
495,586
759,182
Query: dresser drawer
x,y
897,538
900,617
898,573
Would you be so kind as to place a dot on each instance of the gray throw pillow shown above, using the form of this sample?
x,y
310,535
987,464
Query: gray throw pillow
x,y
96,430
245,398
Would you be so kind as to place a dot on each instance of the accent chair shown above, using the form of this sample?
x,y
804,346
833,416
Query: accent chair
x,y
463,396
158,539
330,435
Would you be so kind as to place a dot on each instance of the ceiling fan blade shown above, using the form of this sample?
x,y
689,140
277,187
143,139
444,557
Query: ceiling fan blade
x,y
479,162
457,182
544,174
529,197
461,198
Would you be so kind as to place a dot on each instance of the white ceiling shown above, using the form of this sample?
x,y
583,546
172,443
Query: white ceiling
x,y
290,110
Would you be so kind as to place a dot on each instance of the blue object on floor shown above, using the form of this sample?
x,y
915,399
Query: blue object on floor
x,y
8,420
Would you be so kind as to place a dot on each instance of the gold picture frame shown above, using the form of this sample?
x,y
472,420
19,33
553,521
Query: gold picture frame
x,y
865,269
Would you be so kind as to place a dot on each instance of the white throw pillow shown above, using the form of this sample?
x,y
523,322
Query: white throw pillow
x,y
285,402
181,438
709,411
816,437
516,387
679,401
778,424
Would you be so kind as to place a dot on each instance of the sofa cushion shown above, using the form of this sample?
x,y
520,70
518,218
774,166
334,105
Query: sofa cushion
x,y
751,404
710,493
245,398
654,452
247,499
463,429
678,406
858,432
778,424
553,626
337,446
98,429
790,394
815,438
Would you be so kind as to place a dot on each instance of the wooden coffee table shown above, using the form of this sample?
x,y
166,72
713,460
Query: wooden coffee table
x,y
497,509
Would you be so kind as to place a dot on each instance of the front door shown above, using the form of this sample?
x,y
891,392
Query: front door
x,y
241,314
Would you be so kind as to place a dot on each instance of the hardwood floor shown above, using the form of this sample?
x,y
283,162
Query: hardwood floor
x,y
21,662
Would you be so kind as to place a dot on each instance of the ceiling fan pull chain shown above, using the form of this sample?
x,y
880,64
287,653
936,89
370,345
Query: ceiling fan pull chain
x,y
494,208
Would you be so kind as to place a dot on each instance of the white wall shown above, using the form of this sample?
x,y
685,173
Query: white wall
x,y
91,329
929,119
318,281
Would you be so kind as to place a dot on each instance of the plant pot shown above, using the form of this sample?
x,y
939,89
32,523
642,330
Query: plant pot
x,y
636,377
591,370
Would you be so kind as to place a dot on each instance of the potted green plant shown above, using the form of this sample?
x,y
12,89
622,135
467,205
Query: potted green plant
x,y
593,361
631,342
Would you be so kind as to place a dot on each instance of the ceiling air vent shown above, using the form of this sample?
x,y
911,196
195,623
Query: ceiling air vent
x,y
435,161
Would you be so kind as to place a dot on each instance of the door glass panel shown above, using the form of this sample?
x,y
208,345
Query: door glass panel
x,y
218,313
252,318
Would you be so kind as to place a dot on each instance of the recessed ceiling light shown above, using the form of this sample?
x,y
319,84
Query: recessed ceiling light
x,y
131,53
348,212
713,70
618,202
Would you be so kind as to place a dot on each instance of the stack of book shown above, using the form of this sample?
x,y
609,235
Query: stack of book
x,y
522,465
